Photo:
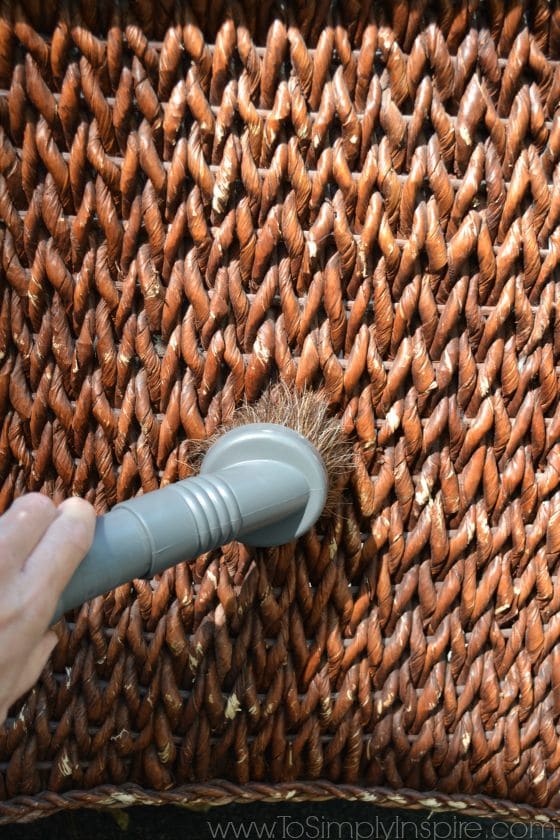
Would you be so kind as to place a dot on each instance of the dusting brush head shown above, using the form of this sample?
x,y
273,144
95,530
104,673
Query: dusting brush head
x,y
264,479
306,413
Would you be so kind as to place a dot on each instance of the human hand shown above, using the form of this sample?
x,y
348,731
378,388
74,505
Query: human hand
x,y
40,547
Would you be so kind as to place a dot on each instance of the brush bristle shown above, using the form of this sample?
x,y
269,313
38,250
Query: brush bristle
x,y
306,413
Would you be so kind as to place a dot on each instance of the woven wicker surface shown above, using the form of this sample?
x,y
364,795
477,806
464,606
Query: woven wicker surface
x,y
196,200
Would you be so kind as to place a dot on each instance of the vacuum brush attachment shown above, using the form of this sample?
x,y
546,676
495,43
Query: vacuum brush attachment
x,y
262,484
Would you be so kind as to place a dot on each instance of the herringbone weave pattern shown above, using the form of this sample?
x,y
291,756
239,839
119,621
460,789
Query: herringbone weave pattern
x,y
364,198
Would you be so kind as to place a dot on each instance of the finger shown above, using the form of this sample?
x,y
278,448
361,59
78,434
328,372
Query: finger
x,y
22,527
34,664
54,560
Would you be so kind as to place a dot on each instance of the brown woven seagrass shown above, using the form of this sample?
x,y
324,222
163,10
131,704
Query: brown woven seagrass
x,y
196,200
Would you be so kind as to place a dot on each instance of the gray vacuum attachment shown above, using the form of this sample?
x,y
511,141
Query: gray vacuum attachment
x,y
262,484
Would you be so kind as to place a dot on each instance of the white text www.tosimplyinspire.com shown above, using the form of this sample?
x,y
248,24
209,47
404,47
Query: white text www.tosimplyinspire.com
x,y
313,827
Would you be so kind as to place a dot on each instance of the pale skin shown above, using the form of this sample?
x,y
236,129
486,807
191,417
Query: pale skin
x,y
40,547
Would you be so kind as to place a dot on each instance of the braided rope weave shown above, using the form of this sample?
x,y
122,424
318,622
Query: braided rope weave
x,y
203,796
355,197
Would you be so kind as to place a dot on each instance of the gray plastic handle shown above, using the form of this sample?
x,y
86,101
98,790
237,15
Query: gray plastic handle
x,y
261,484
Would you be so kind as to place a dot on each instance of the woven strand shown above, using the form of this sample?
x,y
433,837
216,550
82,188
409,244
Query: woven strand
x,y
220,793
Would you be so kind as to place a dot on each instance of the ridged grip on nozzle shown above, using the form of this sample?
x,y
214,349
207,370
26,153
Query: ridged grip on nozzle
x,y
143,536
